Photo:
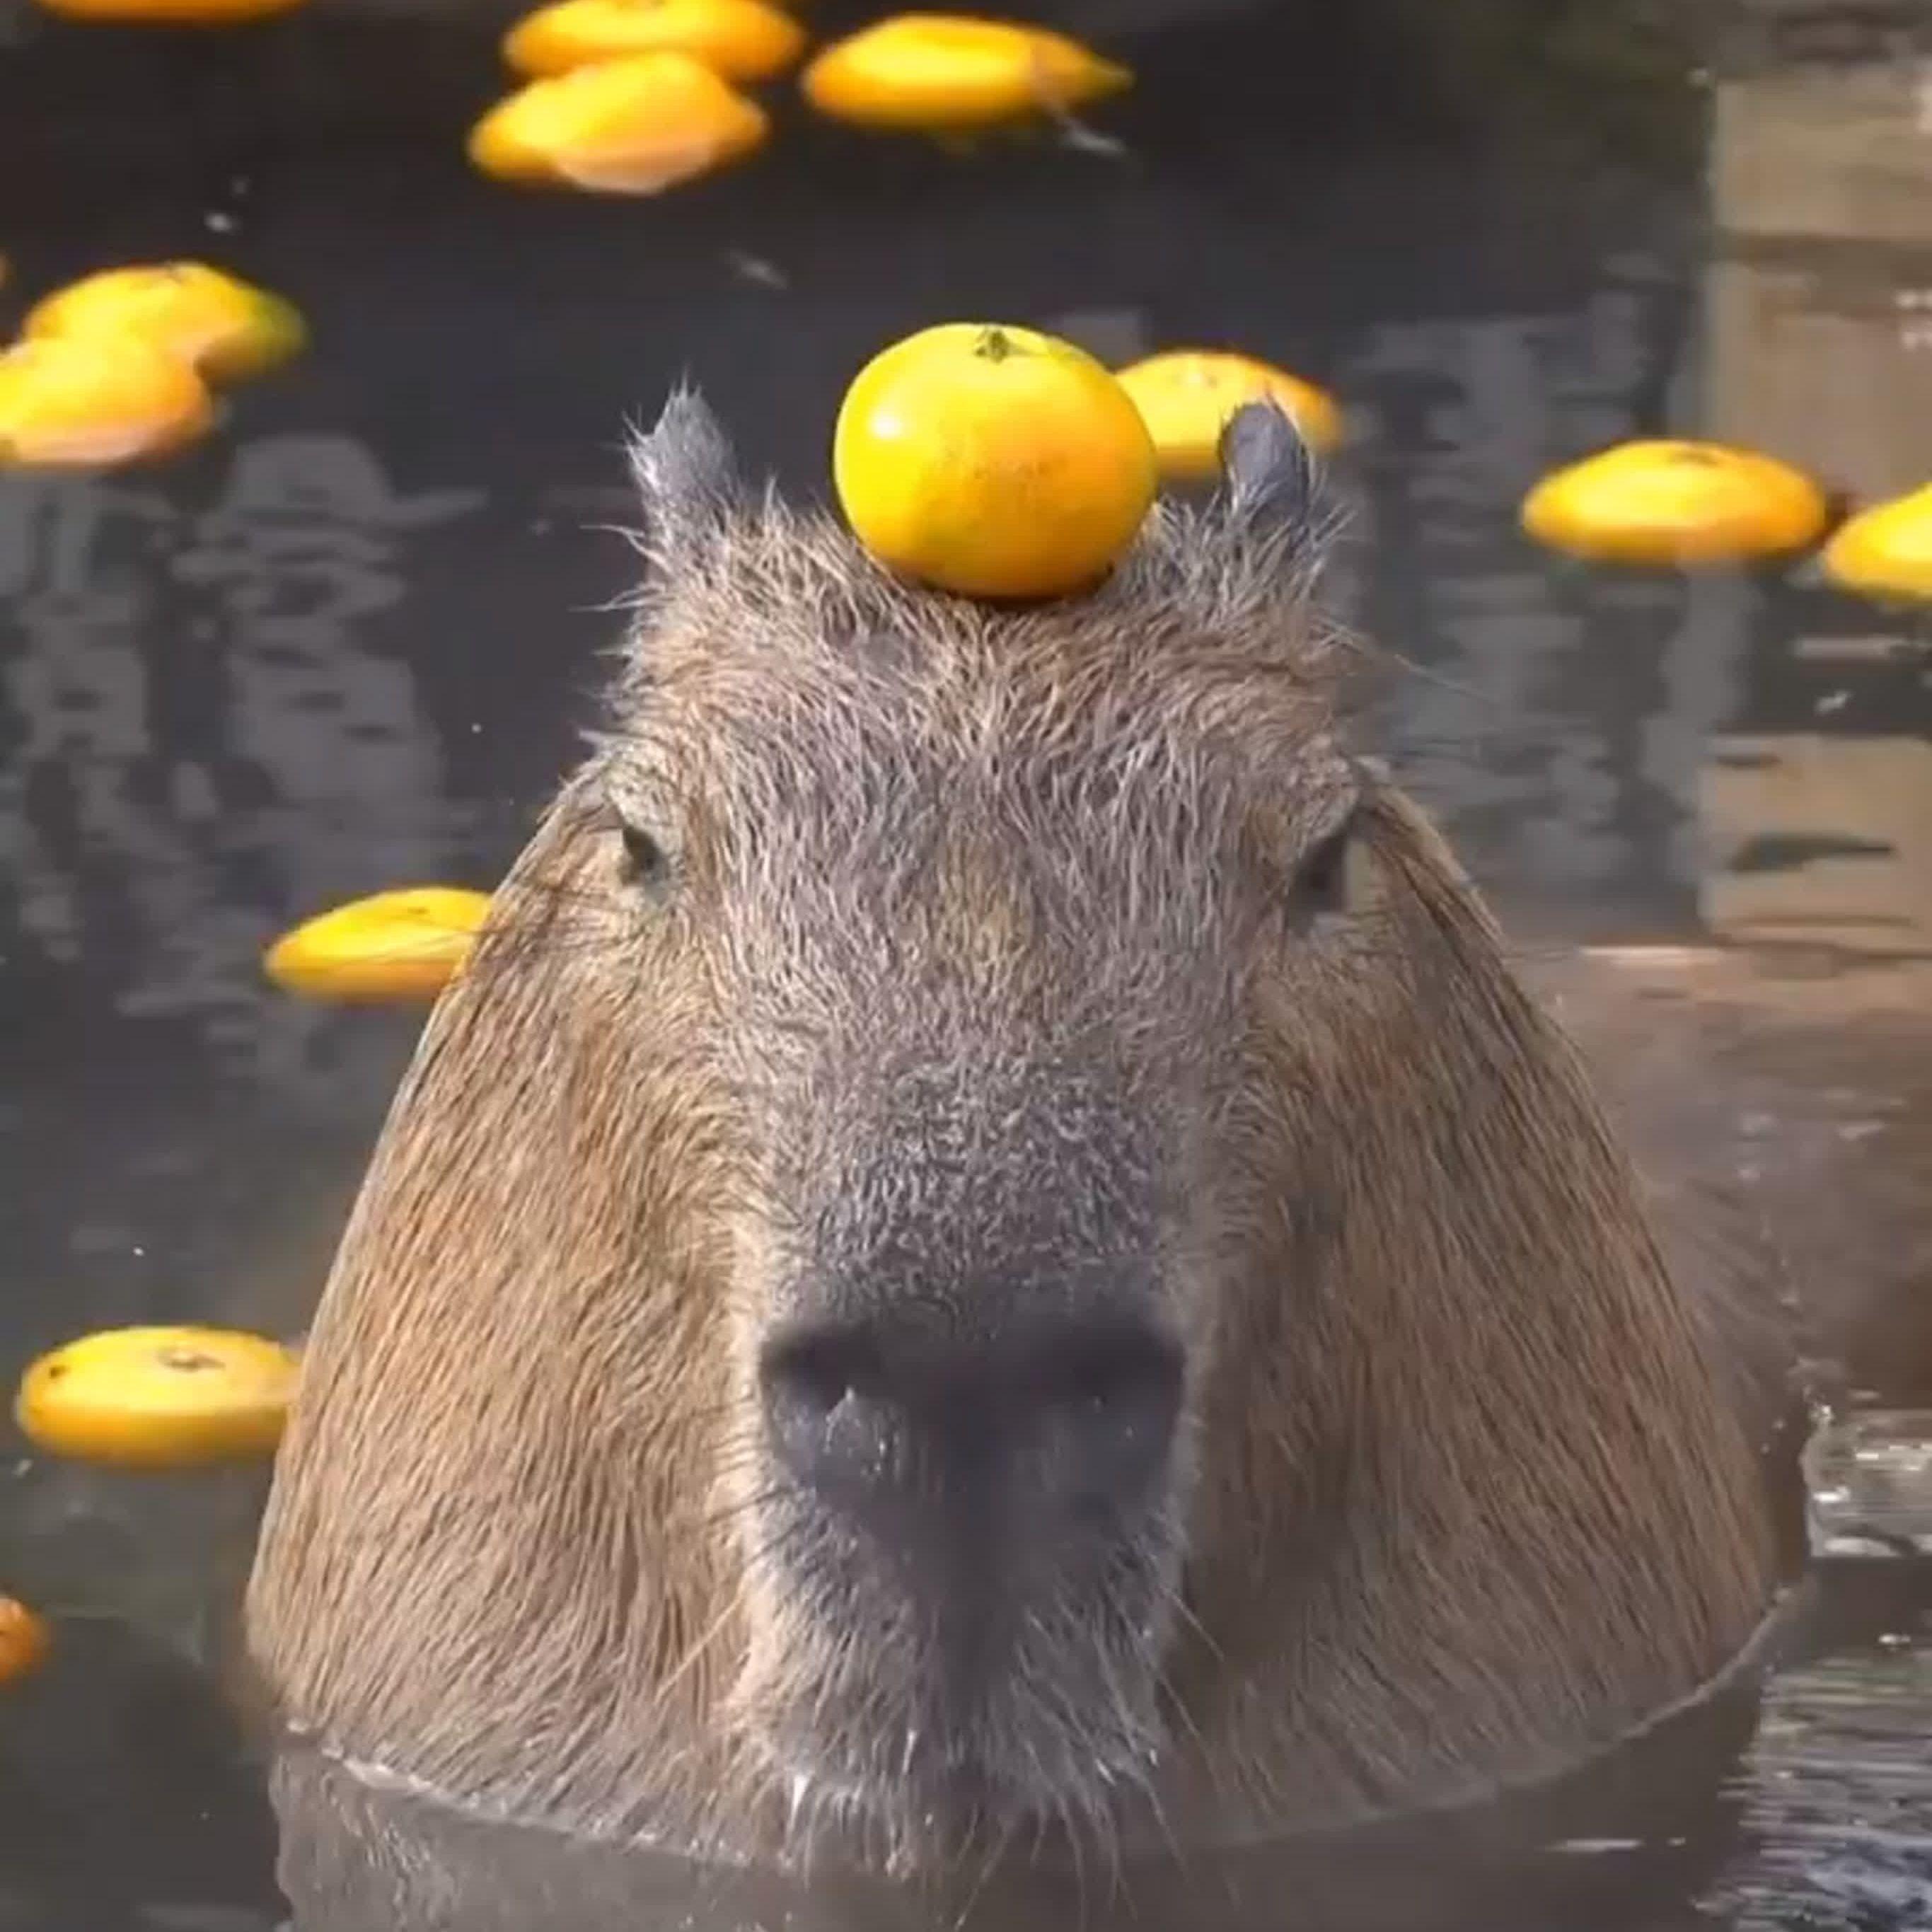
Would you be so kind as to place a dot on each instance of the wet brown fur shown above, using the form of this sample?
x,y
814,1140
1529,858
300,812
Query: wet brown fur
x,y
1465,1489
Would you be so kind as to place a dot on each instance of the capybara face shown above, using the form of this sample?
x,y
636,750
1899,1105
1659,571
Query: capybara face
x,y
972,924
988,1244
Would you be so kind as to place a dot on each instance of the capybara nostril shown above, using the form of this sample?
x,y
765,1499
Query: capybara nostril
x,y
873,1417
1107,1400
828,1408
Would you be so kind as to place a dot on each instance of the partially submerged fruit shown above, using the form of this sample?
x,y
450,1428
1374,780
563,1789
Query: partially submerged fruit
x,y
226,327
171,13
743,40
943,73
400,945
993,461
24,1641
1187,396
82,401
159,1398
1886,551
1675,502
632,126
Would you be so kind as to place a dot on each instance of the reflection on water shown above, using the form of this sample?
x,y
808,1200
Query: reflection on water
x,y
1816,807
1829,840
202,700
1809,1805
346,645
1530,734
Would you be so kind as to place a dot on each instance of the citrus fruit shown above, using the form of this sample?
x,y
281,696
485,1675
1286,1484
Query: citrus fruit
x,y
1675,502
634,125
171,13
946,72
24,1641
1886,551
1185,397
743,40
227,329
400,945
79,401
992,460
158,1398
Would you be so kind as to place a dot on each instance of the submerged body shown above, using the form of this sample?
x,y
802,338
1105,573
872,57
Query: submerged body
x,y
987,1250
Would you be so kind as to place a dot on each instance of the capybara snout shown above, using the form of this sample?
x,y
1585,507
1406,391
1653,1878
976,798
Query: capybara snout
x,y
899,1426
980,1317
967,1486
973,1451
988,1249
984,1301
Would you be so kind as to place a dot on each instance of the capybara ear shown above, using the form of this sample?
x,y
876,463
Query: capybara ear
x,y
686,475
1269,482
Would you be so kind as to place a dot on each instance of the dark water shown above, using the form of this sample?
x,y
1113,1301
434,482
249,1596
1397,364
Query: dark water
x,y
347,644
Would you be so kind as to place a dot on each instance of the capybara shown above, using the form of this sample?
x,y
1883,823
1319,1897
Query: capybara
x,y
989,1253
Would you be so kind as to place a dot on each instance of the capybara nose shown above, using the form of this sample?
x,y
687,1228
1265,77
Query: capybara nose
x,y
884,1423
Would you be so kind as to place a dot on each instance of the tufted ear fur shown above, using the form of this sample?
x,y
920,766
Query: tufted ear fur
x,y
686,477
1268,486
1247,559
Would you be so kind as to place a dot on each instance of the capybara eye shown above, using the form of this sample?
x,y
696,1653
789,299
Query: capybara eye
x,y
1324,879
645,861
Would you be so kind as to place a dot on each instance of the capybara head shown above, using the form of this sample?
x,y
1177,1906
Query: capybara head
x,y
987,1247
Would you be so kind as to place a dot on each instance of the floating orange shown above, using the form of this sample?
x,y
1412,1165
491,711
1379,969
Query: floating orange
x,y
992,460
228,329
171,13
80,401
743,40
159,1398
1185,397
400,945
24,1641
1674,503
1886,551
632,126
943,73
